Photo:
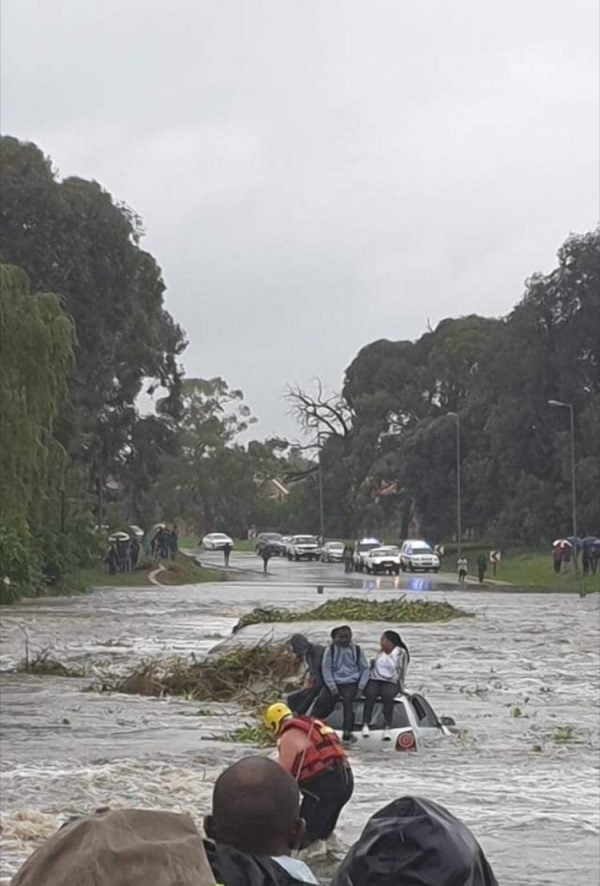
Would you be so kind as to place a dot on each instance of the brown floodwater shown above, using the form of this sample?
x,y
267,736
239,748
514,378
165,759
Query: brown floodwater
x,y
520,679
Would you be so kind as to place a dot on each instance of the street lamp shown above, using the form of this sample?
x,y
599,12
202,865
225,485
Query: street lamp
x,y
321,502
569,406
458,484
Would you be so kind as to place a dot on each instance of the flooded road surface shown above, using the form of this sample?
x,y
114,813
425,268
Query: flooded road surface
x,y
520,679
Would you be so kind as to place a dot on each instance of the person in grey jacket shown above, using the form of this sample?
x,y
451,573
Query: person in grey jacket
x,y
345,673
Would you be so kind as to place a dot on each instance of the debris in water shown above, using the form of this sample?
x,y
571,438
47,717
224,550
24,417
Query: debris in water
x,y
249,675
353,609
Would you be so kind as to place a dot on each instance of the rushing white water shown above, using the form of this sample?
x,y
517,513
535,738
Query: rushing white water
x,y
520,679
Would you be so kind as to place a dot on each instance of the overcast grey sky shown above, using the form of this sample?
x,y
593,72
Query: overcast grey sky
x,y
317,174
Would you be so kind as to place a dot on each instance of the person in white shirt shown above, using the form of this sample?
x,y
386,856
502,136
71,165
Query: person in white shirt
x,y
386,680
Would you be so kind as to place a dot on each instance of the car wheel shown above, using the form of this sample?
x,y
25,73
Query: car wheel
x,y
437,570
296,557
411,568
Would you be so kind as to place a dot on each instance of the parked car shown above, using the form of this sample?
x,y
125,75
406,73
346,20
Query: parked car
x,y
361,549
383,559
303,547
416,554
332,552
216,541
274,540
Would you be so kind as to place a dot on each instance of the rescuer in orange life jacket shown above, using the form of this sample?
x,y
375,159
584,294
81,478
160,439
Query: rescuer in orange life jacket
x,y
315,757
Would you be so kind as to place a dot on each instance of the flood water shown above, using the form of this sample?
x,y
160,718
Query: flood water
x,y
520,679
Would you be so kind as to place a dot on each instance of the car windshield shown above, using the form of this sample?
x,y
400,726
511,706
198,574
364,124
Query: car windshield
x,y
368,545
390,549
270,536
422,548
335,544
306,539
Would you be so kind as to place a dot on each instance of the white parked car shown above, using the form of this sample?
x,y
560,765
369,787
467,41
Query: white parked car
x,y
216,541
383,559
361,549
303,547
416,554
332,552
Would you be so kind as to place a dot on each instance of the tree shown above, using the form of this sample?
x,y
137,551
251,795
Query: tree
x,y
35,357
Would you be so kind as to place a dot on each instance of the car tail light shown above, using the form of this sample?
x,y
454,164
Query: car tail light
x,y
406,741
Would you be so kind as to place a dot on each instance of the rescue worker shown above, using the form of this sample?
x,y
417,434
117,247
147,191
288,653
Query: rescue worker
x,y
313,754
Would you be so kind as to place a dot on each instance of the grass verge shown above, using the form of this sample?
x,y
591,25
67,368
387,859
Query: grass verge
x,y
534,570
355,609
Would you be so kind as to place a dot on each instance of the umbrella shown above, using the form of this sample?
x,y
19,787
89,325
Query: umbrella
x,y
119,536
561,541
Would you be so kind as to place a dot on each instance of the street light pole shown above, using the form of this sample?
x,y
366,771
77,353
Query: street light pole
x,y
458,485
321,502
569,406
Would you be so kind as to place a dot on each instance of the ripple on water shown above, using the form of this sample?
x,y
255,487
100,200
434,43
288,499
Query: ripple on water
x,y
521,681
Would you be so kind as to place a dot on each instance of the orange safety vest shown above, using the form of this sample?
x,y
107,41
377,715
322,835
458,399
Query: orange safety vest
x,y
324,753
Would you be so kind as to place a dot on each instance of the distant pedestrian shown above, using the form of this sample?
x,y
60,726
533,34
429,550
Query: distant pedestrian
x,y
266,554
463,568
348,558
481,567
227,549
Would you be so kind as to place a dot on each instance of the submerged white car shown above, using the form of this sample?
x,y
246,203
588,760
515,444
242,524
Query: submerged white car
x,y
383,559
413,722
216,541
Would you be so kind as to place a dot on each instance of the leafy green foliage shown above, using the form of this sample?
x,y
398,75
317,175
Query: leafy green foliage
x,y
355,609
399,431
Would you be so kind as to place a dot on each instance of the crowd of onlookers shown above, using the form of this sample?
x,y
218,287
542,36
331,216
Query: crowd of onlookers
x,y
253,833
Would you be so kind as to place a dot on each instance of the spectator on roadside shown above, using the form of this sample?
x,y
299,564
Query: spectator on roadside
x,y
345,673
481,567
227,549
348,557
463,569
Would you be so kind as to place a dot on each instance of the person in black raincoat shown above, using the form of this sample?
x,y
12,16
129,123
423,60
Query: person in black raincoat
x,y
413,842
311,654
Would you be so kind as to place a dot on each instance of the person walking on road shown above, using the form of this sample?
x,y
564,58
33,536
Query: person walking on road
x,y
345,673
313,754
348,558
463,568
481,567
227,549
266,554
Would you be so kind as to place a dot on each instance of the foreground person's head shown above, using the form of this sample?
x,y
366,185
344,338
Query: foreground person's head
x,y
342,636
124,847
256,808
412,841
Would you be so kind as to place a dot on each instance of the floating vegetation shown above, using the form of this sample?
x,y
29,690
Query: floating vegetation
x,y
44,664
354,609
256,735
251,676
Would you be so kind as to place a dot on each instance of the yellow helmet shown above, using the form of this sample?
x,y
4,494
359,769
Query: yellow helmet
x,y
274,714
